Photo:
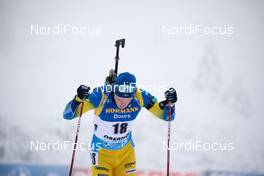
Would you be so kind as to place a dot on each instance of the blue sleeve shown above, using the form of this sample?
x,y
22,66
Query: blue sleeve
x,y
69,112
151,103
148,99
96,96
71,108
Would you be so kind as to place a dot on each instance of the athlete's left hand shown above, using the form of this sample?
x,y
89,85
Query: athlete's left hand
x,y
171,95
171,98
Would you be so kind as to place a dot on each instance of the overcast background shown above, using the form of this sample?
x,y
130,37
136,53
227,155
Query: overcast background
x,y
218,77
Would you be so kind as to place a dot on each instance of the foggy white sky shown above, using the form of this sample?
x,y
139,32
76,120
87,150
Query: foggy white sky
x,y
218,77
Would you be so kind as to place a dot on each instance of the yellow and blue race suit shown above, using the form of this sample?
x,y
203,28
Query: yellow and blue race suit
x,y
112,147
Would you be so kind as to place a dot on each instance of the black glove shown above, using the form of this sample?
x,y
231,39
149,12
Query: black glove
x,y
171,96
83,91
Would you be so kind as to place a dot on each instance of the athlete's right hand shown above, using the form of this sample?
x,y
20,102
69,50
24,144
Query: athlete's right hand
x,y
83,92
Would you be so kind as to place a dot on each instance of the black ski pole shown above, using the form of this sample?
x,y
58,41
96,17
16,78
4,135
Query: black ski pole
x,y
76,138
168,140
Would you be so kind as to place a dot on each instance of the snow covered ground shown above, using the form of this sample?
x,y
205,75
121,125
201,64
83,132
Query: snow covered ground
x,y
218,77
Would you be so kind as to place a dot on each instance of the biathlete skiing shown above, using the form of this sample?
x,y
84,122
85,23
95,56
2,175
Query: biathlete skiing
x,y
116,105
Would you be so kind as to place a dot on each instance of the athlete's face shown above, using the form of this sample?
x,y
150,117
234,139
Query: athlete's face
x,y
122,102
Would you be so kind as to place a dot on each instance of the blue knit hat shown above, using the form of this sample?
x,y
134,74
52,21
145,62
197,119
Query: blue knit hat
x,y
125,85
